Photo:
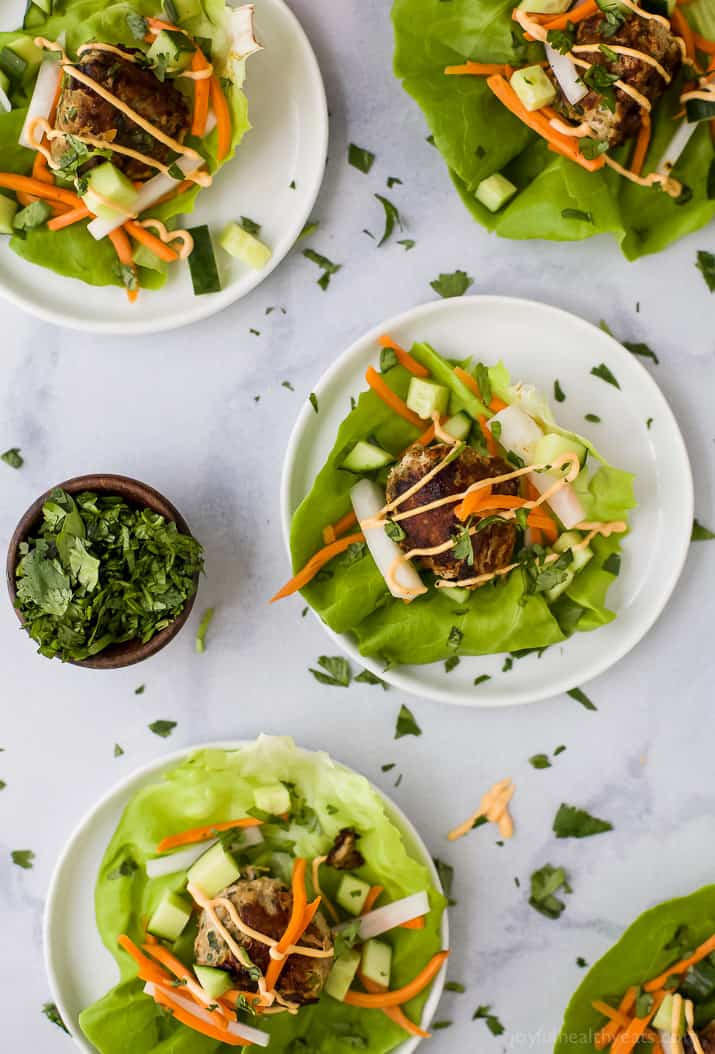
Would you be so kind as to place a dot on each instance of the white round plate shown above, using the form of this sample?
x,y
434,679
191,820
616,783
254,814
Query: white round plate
x,y
79,967
287,143
538,344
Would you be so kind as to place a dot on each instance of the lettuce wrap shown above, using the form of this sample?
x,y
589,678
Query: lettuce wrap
x,y
658,939
351,595
477,136
212,786
73,252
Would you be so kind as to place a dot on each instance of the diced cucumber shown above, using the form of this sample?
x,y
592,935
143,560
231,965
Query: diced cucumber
x,y
555,592
187,9
245,247
342,974
8,208
495,191
109,192
459,596
213,871
144,257
274,799
459,426
425,398
44,5
580,556
352,893
202,262
27,49
366,457
214,982
12,64
34,17
699,110
171,50
170,917
552,446
533,87
663,1019
545,7
376,962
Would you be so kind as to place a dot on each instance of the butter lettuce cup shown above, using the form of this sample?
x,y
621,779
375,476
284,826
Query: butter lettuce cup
x,y
655,989
250,894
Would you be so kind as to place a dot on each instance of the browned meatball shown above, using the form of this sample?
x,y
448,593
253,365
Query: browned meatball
x,y
492,547
645,35
81,111
707,1038
265,905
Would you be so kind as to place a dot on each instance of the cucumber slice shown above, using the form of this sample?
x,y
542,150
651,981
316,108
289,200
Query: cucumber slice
x,y
202,263
34,17
342,974
425,398
495,191
545,7
245,247
459,426
663,1019
171,50
366,457
8,209
274,799
533,87
187,9
214,982
352,894
376,962
552,446
580,556
699,110
26,49
109,192
555,592
12,64
213,871
456,594
170,917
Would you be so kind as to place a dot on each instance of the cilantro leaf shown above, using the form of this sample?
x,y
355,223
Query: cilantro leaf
x,y
455,284
162,728
52,1014
484,1013
367,677
580,696
23,858
700,533
392,217
406,724
577,214
327,266
313,401
642,350
705,263
206,619
540,761
360,158
605,374
482,678
445,873
559,395
451,663
571,822
545,883
250,226
407,243
117,750
335,671
592,148
13,457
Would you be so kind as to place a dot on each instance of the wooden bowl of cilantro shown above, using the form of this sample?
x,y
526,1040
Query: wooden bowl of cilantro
x,y
103,571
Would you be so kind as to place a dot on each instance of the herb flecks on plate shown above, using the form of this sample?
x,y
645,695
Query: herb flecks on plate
x,y
572,822
406,724
545,884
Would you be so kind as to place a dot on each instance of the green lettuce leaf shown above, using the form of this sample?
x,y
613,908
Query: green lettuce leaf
x,y
351,595
214,785
477,136
645,950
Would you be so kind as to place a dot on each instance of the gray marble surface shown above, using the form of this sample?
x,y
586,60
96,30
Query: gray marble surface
x,y
178,411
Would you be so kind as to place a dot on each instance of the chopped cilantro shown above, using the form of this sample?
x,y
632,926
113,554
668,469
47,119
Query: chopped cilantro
x,y
162,728
580,696
407,243
454,986
406,724
368,677
392,217
52,1014
117,750
700,533
508,664
206,620
288,385
482,678
250,226
13,457
593,418
455,637
641,349
451,663
612,564
484,1013
581,962
388,767
327,266
540,761
705,263
577,214
571,822
558,392
313,401
335,671
455,284
23,858
545,883
605,374
360,158
445,873
393,181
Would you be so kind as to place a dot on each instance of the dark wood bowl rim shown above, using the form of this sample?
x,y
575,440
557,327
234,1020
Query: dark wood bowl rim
x,y
116,656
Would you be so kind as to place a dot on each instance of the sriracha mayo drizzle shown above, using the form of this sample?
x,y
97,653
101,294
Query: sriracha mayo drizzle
x,y
494,807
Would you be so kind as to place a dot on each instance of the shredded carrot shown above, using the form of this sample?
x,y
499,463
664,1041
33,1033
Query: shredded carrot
x,y
316,562
123,249
180,1013
202,92
158,23
563,144
67,219
11,181
682,27
171,194
426,438
403,357
497,404
492,445
413,924
608,1033
296,924
681,967
370,899
395,1013
702,44
148,970
40,169
642,144
476,69
156,245
191,985
387,395
340,527
202,834
578,14
223,118
399,995
626,1040
477,502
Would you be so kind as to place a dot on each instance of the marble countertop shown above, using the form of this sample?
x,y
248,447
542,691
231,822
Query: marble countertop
x,y
178,411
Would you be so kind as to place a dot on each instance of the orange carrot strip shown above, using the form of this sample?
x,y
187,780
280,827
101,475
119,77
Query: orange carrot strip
x,y
180,1013
399,995
335,530
202,92
577,15
316,562
148,970
186,185
223,118
387,395
497,404
202,834
642,144
66,219
702,44
403,357
682,27
537,122
682,966
413,924
191,985
608,1033
11,181
476,69
41,170
626,1040
492,445
296,924
123,249
156,245
395,1013
370,899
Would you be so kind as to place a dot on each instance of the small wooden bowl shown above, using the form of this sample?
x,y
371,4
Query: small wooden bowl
x,y
116,656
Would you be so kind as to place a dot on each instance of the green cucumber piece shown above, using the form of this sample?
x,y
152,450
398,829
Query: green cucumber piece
x,y
352,893
545,7
213,871
4,82
495,191
551,446
366,457
580,556
187,9
274,799
12,64
456,594
109,192
663,1019
699,110
8,208
170,917
376,962
171,50
533,87
342,974
27,50
425,398
459,426
213,981
202,263
34,16
245,247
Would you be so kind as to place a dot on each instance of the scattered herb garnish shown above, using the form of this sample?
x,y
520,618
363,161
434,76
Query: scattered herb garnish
x,y
642,350
454,986
545,883
368,677
484,1013
138,26
445,873
593,418
250,226
407,243
13,457
327,266
32,216
388,767
310,228
592,148
395,531
392,217
23,858
125,869
648,423
700,533
406,724
558,392
388,359
644,1004
360,158
705,263
450,663
206,620
577,214
393,181
313,398
540,761
162,728
117,750
508,664
559,750
571,822
580,696
562,39
612,564
52,1014
482,678
455,637
455,284
581,962
335,671
441,1024
140,689
605,374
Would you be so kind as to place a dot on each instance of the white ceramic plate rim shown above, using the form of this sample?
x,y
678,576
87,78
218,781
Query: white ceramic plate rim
x,y
599,662
204,307
120,793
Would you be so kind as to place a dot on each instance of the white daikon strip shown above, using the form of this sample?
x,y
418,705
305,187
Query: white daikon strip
x,y
566,74
676,147
399,574
182,860
243,36
43,95
5,104
564,503
235,1028
147,196
382,920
